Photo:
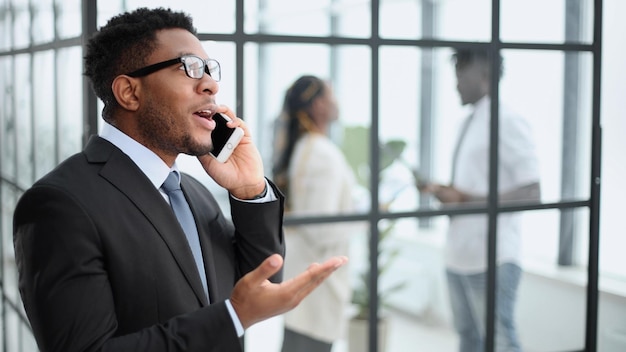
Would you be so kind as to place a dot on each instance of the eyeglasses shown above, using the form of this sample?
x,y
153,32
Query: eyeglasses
x,y
194,67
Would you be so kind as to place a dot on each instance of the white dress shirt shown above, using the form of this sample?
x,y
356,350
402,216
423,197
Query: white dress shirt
x,y
518,165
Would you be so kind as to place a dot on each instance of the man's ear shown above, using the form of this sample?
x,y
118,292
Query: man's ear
x,y
126,91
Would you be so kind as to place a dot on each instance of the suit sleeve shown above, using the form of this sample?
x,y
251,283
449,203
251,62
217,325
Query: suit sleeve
x,y
67,292
258,231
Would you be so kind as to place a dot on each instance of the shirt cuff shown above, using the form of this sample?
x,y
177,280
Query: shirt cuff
x,y
235,318
269,196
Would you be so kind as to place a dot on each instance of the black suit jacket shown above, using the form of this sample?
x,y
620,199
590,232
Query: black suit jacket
x,y
104,265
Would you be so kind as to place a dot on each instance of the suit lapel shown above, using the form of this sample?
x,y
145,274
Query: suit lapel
x,y
124,174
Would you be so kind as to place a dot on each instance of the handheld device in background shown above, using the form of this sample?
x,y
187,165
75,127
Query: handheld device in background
x,y
420,180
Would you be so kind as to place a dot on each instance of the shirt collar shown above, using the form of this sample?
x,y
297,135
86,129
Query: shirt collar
x,y
150,164
482,103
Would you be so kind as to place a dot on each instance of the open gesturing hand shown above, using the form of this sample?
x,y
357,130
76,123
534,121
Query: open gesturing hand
x,y
255,298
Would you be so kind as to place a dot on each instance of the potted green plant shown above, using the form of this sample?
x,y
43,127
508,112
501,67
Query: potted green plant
x,y
359,324
361,294
390,151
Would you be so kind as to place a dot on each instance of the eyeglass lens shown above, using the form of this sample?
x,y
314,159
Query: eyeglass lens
x,y
195,67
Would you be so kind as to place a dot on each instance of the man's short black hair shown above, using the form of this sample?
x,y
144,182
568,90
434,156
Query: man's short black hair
x,y
123,45
466,56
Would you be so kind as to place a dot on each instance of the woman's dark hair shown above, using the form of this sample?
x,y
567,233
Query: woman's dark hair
x,y
122,46
293,123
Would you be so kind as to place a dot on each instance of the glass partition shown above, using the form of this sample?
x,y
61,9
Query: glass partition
x,y
68,20
546,22
552,302
23,125
349,18
45,132
21,24
8,133
43,21
396,87
70,110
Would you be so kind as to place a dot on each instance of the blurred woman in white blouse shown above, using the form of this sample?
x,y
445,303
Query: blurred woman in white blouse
x,y
317,180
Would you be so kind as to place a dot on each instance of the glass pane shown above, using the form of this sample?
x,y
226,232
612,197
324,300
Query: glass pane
x,y
399,125
420,114
466,273
278,66
613,141
353,86
69,18
435,277
290,17
314,18
351,18
7,118
21,24
206,21
208,17
357,338
44,112
540,234
415,301
468,20
556,22
9,274
552,298
268,335
559,86
7,204
402,19
2,326
26,339
6,27
271,69
18,335
70,109
23,109
43,21
108,9
261,114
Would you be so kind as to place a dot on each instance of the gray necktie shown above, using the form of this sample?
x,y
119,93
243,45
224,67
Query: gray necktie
x,y
179,204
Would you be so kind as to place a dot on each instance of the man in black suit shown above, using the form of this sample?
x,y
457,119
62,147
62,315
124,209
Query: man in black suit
x,y
103,263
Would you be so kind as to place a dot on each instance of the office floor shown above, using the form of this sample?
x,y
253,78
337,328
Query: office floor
x,y
406,334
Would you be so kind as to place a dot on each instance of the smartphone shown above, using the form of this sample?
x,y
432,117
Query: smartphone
x,y
420,180
224,138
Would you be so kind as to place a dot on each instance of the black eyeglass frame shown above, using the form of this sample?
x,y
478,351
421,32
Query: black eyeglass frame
x,y
144,71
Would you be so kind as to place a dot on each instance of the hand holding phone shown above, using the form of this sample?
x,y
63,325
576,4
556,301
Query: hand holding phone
x,y
224,138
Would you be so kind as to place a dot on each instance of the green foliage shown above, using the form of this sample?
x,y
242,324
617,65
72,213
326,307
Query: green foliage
x,y
386,257
356,149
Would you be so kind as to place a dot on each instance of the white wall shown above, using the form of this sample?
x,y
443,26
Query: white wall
x,y
551,313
